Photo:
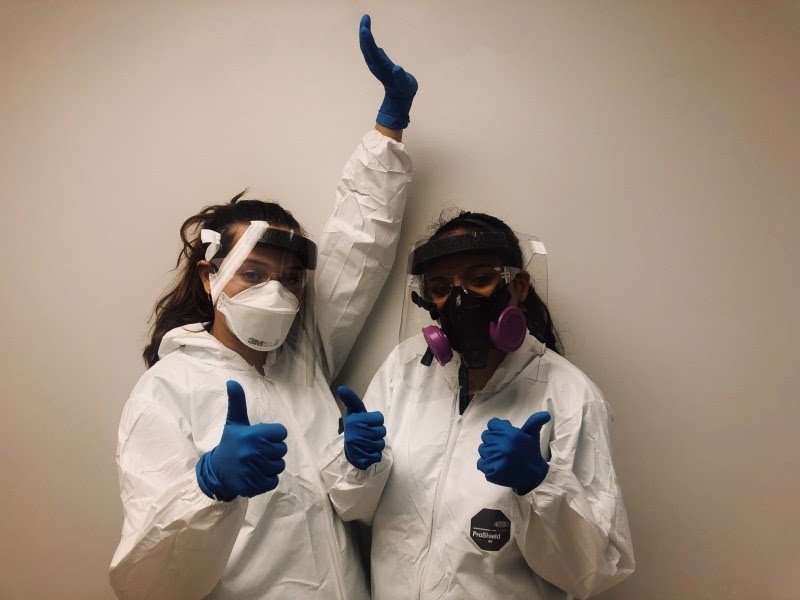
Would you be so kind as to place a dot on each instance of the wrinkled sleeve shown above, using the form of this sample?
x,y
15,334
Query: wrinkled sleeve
x,y
354,493
175,540
359,242
574,529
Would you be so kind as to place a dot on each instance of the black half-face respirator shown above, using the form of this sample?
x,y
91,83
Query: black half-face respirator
x,y
471,325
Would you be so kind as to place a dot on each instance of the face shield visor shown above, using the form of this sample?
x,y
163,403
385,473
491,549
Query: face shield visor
x,y
457,298
264,288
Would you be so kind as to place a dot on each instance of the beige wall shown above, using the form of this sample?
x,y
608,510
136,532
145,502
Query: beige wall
x,y
652,146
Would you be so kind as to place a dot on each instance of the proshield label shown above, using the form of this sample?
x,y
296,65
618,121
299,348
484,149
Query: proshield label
x,y
491,529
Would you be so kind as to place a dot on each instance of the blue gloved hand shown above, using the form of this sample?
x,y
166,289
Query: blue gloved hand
x,y
247,460
363,431
399,86
511,457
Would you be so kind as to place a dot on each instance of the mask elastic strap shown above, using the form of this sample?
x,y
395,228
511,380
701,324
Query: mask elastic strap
x,y
235,258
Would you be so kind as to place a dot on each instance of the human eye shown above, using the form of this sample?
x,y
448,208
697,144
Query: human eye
x,y
292,279
439,286
482,277
251,276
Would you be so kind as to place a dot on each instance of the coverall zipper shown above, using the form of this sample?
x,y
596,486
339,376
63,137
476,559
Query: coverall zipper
x,y
456,418
328,511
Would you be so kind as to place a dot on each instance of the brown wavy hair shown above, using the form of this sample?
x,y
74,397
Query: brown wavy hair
x,y
186,301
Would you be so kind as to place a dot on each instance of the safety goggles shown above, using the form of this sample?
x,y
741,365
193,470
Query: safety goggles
x,y
479,279
259,233
252,272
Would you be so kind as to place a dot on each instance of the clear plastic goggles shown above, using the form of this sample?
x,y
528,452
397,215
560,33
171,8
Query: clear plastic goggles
x,y
479,279
250,273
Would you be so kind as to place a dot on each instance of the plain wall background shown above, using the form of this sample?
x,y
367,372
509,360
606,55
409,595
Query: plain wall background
x,y
653,146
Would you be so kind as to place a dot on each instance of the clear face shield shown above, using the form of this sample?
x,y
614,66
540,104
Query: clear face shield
x,y
457,295
264,289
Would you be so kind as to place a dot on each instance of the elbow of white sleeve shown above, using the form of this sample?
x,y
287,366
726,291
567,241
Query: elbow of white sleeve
x,y
182,552
567,543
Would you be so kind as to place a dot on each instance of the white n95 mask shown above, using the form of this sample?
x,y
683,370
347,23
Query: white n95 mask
x,y
260,316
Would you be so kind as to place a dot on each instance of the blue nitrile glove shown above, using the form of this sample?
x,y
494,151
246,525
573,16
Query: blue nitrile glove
x,y
511,457
247,460
363,431
399,86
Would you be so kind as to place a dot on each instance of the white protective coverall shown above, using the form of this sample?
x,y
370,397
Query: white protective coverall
x,y
287,543
440,530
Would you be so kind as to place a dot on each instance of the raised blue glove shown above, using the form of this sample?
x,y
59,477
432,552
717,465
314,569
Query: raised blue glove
x,y
399,86
363,431
247,460
511,457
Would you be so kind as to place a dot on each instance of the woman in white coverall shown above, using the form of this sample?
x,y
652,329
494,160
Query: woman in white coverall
x,y
496,478
234,507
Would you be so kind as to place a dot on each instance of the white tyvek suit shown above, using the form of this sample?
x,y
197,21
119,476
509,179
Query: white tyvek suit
x,y
568,536
288,543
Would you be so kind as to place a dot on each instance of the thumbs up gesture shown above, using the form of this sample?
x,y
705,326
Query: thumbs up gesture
x,y
247,460
510,456
363,431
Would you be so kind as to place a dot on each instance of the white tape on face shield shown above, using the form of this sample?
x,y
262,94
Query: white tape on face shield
x,y
260,316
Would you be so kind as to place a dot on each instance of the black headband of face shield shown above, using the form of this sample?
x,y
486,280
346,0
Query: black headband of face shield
x,y
476,242
302,247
